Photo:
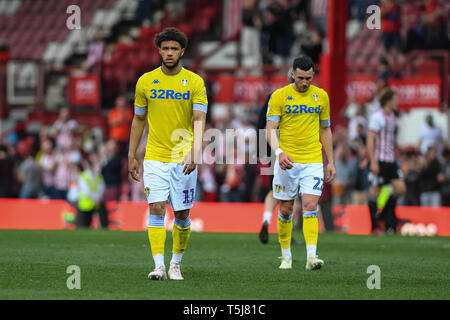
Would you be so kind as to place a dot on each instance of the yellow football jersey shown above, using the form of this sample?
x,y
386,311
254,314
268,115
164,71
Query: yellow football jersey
x,y
169,102
300,115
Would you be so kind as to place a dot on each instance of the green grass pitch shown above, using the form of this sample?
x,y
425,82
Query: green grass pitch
x,y
219,266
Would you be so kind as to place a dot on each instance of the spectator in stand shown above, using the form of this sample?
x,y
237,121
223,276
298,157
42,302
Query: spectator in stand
x,y
413,19
430,135
63,129
391,24
111,170
284,28
411,169
144,11
361,186
91,190
250,35
47,164
232,188
119,120
268,31
345,173
207,177
7,173
384,72
445,178
357,126
429,177
95,53
65,158
313,48
30,177
319,15
434,24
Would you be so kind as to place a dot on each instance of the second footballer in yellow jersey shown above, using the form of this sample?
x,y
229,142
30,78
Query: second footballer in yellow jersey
x,y
174,102
301,112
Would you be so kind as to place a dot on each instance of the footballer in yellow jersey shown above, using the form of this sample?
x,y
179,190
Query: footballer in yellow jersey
x,y
169,101
301,112
173,100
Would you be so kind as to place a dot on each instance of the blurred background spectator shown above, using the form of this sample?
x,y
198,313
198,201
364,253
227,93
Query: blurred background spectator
x,y
7,172
430,136
429,179
119,120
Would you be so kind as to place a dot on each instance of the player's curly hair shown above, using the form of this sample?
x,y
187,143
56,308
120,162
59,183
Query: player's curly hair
x,y
171,34
303,63
385,96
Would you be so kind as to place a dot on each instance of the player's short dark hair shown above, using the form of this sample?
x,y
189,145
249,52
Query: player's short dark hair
x,y
385,96
303,63
171,34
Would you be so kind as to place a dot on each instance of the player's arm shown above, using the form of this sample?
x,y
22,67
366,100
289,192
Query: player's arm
x,y
370,142
327,141
284,160
326,137
191,160
137,128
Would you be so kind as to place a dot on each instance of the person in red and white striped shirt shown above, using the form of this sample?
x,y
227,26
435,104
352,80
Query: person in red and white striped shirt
x,y
384,172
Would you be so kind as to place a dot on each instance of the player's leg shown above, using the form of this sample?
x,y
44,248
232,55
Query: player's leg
x,y
181,198
285,189
284,226
180,233
374,191
157,239
398,188
156,184
311,185
269,205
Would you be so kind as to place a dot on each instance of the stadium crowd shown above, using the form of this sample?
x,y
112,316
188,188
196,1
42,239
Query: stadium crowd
x,y
54,164
49,165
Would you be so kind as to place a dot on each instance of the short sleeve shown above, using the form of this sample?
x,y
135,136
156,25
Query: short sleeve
x,y
324,115
140,100
375,123
273,108
199,96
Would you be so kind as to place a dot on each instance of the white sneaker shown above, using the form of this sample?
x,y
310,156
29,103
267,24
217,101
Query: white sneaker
x,y
175,272
314,263
158,274
286,262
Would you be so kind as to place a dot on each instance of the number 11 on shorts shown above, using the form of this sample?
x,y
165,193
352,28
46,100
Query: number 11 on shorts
x,y
188,199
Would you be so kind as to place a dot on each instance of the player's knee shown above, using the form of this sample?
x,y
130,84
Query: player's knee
x,y
158,208
310,206
181,215
286,209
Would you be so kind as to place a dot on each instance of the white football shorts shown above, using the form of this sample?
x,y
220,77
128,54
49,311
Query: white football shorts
x,y
302,178
165,181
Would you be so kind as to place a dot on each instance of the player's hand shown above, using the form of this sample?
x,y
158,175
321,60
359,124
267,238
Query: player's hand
x,y
374,168
285,161
189,164
133,168
331,172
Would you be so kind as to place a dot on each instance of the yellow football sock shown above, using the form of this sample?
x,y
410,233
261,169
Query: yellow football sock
x,y
284,231
180,238
156,234
310,227
157,238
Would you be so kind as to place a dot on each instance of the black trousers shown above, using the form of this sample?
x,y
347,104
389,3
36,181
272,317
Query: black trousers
x,y
84,218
